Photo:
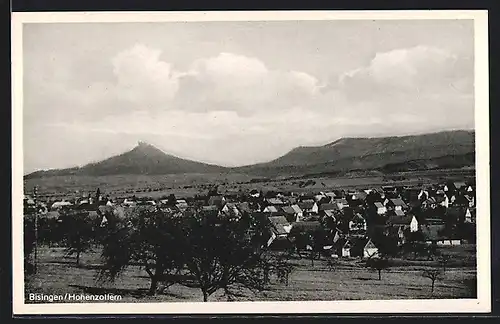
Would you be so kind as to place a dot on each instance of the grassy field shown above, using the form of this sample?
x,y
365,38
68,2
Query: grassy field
x,y
349,280
188,185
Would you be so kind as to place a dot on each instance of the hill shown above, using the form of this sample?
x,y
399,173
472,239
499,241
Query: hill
x,y
452,149
144,159
402,153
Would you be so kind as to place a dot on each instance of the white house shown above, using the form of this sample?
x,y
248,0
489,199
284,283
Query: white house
x,y
370,250
270,209
381,209
423,195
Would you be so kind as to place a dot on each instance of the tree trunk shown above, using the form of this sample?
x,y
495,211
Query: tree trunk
x,y
432,286
78,257
205,295
379,274
153,286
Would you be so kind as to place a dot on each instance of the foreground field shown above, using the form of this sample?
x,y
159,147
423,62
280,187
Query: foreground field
x,y
348,280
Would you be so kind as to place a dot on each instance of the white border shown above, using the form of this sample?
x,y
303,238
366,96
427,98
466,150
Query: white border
x,y
481,304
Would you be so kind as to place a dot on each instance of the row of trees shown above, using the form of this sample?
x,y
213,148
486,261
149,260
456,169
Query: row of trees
x,y
197,249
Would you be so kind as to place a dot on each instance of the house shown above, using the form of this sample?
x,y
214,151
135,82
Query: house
x,y
60,204
291,214
298,210
459,185
429,203
442,200
280,226
396,231
217,200
331,195
231,209
399,212
306,227
331,207
309,206
433,234
319,197
354,247
423,195
357,225
361,196
407,222
330,214
370,250
381,209
471,200
182,204
342,203
254,193
396,203
270,209
274,201
53,214
244,207
470,215
210,209
28,200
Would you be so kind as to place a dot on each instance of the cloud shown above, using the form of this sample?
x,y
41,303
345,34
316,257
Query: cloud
x,y
231,82
419,70
233,109
143,79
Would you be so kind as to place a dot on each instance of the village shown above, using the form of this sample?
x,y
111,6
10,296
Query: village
x,y
341,223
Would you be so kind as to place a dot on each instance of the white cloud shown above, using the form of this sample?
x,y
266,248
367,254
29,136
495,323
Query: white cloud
x,y
417,70
233,109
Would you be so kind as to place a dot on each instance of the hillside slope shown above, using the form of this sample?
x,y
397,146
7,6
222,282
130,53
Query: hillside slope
x,y
143,159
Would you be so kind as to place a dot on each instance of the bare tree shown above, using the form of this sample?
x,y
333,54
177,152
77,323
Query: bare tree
x,y
444,260
433,275
378,264
147,240
219,253
78,229
283,270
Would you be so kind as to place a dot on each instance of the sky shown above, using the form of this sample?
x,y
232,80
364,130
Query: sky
x,y
238,93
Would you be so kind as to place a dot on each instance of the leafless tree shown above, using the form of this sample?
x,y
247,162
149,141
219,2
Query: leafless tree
x,y
433,275
444,260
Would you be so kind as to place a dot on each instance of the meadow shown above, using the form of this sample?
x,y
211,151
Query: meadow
x,y
348,279
189,185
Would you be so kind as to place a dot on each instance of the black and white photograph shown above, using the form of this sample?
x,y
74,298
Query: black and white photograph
x,y
253,162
